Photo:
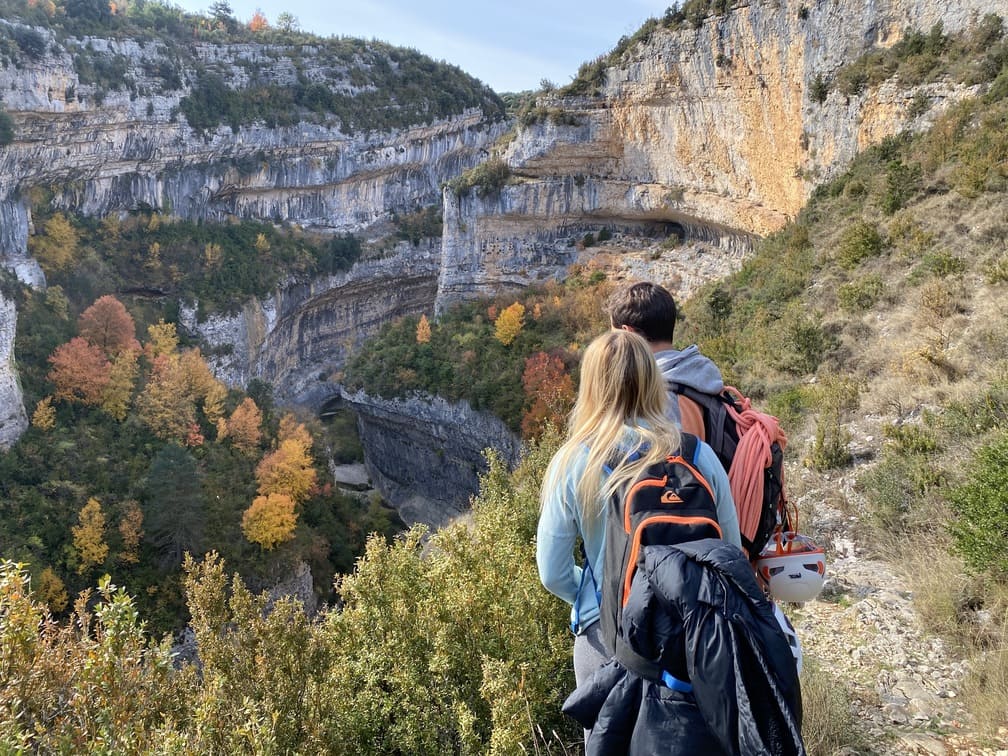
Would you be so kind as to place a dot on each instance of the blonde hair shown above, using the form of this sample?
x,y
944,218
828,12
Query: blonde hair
x,y
620,411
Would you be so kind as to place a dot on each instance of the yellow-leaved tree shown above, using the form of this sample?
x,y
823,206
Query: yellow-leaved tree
x,y
51,591
56,247
131,531
270,520
119,389
287,470
89,536
44,416
509,323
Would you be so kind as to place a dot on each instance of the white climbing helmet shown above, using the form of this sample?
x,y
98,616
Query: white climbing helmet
x,y
793,567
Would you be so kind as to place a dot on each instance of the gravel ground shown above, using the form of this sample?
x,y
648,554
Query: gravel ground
x,y
904,684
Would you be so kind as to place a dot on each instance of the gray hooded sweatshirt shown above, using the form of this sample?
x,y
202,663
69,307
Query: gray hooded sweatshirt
x,y
689,368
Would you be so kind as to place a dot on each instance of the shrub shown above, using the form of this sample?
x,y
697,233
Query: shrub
x,y
981,506
858,243
835,397
862,294
818,89
487,178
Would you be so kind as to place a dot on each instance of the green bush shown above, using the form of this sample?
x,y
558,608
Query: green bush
x,y
862,294
858,243
980,530
486,178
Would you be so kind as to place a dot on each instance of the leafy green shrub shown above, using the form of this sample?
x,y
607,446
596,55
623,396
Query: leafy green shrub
x,y
901,183
588,240
981,506
942,263
862,294
818,89
858,243
835,398
487,178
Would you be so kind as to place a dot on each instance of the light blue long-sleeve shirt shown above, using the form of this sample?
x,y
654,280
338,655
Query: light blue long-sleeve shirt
x,y
562,522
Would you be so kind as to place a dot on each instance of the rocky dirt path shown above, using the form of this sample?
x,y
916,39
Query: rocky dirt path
x,y
904,684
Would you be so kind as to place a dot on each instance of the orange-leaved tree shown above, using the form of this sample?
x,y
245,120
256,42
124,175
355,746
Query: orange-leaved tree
x,y
108,326
244,427
270,520
80,372
549,392
509,323
423,331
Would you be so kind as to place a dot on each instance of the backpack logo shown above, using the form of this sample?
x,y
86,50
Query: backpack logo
x,y
671,497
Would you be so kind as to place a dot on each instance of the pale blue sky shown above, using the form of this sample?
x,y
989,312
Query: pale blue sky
x,y
509,45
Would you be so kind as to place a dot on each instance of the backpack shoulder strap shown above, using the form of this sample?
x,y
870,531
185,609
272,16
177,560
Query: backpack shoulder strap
x,y
691,416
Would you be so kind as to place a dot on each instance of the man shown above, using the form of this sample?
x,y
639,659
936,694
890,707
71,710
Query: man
x,y
649,310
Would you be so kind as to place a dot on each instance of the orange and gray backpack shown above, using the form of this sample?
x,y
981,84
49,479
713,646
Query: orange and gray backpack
x,y
669,503
750,445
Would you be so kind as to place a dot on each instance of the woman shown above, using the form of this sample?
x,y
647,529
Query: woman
x,y
619,414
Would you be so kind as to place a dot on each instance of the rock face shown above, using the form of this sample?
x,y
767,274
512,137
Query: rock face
x,y
710,130
13,419
425,454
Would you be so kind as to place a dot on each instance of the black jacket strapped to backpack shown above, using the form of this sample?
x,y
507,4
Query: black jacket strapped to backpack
x,y
695,614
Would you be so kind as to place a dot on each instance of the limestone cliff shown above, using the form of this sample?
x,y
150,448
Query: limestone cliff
x,y
709,130
106,148
425,454
13,419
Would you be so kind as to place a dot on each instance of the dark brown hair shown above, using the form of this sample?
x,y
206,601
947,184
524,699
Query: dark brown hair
x,y
646,308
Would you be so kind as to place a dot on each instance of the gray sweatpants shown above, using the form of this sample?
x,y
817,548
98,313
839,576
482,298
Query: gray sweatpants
x,y
589,655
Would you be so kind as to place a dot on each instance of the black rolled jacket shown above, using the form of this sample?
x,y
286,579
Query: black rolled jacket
x,y
695,612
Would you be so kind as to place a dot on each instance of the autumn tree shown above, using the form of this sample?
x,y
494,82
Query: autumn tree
x,y
213,402
287,470
56,247
131,532
51,591
244,427
119,389
108,326
44,416
89,536
423,331
509,323
162,339
212,254
164,405
549,392
258,22
270,520
80,372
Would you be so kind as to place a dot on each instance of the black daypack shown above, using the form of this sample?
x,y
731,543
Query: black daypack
x,y
721,417
669,503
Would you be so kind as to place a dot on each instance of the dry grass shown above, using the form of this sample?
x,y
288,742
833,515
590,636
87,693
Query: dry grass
x,y
827,720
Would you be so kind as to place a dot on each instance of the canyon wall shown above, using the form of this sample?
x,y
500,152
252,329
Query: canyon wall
x,y
711,129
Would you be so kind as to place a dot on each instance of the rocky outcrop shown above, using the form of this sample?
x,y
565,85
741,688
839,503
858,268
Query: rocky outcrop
x,y
13,420
298,338
711,128
123,145
426,454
